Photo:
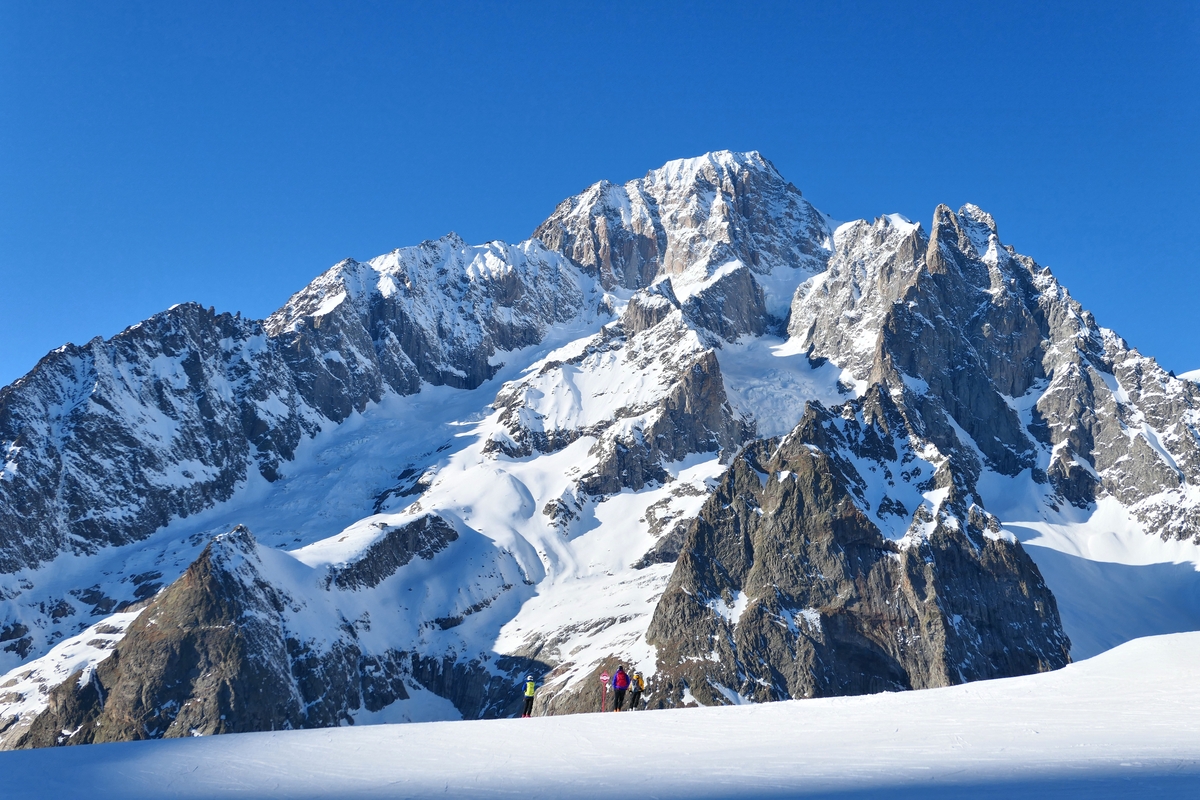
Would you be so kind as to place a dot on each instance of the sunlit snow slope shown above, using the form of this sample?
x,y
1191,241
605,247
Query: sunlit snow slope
x,y
1125,724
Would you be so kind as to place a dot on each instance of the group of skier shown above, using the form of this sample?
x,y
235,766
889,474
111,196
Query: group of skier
x,y
621,682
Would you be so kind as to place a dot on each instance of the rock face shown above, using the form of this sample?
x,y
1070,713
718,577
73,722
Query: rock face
x,y
224,650
1011,359
207,656
466,464
108,442
422,538
437,312
687,220
646,396
786,588
714,209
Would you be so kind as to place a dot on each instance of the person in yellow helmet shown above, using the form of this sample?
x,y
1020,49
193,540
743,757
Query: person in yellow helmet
x,y
637,685
530,691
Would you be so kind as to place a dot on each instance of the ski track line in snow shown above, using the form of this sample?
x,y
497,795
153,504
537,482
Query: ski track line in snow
x,y
1123,724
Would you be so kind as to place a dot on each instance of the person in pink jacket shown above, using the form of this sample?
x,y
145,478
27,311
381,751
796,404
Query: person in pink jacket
x,y
620,683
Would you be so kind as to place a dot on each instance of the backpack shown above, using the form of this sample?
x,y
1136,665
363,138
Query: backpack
x,y
638,683
621,680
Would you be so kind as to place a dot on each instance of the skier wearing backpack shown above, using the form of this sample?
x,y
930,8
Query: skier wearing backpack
x,y
636,686
620,682
530,691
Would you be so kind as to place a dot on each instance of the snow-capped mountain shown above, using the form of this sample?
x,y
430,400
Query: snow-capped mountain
x,y
693,424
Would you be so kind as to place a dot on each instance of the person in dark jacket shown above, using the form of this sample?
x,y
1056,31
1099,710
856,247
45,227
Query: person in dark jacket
x,y
620,682
530,691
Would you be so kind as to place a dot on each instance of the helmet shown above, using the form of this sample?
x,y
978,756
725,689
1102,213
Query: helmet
x,y
528,677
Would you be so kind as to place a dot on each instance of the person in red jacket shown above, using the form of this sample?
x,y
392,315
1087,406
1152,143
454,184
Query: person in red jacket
x,y
620,682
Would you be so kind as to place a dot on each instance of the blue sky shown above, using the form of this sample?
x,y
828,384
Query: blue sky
x,y
227,153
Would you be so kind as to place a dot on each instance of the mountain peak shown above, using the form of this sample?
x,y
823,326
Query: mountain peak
x,y
718,163
973,228
693,215
975,214
979,226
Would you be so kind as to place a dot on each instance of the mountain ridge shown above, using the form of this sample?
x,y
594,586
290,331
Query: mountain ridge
x,y
568,410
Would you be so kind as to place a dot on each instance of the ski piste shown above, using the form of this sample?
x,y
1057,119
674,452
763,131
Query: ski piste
x,y
1118,725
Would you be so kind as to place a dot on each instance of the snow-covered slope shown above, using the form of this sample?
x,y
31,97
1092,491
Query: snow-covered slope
x,y
1121,725
694,425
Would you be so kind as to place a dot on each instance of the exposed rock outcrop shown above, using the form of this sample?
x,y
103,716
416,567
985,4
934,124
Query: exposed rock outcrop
x,y
651,396
422,538
107,442
219,651
999,345
110,440
786,588
207,656
692,215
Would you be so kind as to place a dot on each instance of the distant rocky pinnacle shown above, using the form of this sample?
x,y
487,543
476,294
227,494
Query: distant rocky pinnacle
x,y
692,424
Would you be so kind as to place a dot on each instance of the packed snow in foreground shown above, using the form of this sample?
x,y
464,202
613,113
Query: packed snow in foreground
x,y
1123,724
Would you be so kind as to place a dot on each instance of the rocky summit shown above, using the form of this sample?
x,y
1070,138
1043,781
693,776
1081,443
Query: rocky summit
x,y
693,425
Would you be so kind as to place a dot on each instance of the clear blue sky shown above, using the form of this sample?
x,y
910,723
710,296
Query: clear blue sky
x,y
153,153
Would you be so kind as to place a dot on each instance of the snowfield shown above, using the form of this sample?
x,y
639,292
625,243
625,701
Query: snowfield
x,y
1123,724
